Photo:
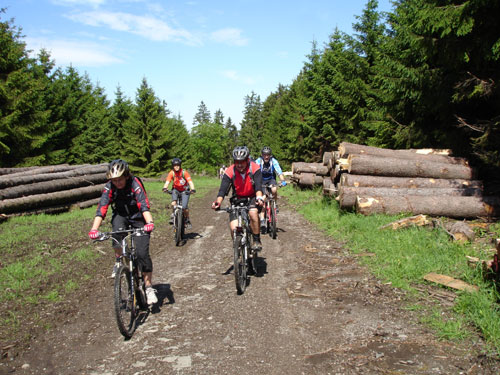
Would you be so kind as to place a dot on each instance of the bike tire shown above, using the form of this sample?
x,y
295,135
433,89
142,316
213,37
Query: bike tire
x,y
179,226
274,229
126,308
240,265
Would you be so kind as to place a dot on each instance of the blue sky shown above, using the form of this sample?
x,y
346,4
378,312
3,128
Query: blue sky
x,y
189,51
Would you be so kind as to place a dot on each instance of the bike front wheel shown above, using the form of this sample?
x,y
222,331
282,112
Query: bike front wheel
x,y
240,264
272,220
126,308
178,227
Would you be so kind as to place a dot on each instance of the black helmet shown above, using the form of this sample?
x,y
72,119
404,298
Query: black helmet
x,y
117,168
266,150
176,161
241,153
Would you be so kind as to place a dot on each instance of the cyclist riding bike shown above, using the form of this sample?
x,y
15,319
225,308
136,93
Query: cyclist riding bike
x,y
245,178
182,182
269,167
130,205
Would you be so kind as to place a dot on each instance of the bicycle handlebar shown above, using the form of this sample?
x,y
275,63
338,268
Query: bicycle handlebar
x,y
103,236
187,192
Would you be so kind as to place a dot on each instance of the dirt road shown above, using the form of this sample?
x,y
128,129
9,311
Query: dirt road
x,y
313,311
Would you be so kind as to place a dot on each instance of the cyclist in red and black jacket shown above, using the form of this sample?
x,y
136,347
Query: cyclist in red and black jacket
x,y
126,195
245,177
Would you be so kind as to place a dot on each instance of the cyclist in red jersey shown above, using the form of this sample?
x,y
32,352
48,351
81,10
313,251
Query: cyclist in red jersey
x,y
245,177
182,182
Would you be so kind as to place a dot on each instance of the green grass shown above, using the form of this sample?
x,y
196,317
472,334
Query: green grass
x,y
402,257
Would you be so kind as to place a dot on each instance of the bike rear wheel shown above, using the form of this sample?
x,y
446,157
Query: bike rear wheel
x,y
240,264
126,308
273,220
178,227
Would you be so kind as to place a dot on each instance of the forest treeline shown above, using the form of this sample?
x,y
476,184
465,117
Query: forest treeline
x,y
425,74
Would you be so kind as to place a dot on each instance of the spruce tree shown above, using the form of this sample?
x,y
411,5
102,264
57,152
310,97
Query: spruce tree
x,y
23,116
202,116
146,133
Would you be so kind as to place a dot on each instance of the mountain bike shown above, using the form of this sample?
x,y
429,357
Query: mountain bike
x,y
245,259
179,220
270,212
129,288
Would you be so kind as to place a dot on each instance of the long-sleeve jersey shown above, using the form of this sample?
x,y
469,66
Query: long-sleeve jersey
x,y
131,201
243,186
269,169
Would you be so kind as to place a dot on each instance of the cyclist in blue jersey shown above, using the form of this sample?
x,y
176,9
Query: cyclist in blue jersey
x,y
269,167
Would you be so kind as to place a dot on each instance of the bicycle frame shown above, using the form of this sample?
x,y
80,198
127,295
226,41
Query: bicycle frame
x,y
270,206
178,226
241,242
136,299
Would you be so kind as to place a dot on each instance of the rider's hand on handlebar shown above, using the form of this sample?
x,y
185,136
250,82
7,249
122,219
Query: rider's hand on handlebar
x,y
259,201
94,234
165,190
215,205
283,183
193,191
149,227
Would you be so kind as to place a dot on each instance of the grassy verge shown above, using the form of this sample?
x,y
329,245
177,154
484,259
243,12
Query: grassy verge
x,y
45,258
403,257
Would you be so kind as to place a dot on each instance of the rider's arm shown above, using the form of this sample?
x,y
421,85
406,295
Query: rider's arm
x,y
189,180
225,185
278,170
140,195
169,178
257,178
148,218
105,201
97,223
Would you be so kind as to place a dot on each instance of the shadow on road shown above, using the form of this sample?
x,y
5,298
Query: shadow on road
x,y
165,297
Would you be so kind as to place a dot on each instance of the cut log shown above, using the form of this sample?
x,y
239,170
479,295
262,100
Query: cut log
x,y
46,169
346,149
4,171
412,221
406,182
316,168
327,157
392,167
10,180
450,282
329,188
50,199
460,231
310,179
456,207
347,194
52,185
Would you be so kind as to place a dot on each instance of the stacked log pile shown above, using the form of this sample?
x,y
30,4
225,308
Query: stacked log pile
x,y
418,181
50,189
309,174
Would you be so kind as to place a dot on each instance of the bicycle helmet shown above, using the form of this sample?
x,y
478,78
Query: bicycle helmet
x,y
117,168
266,151
241,153
176,161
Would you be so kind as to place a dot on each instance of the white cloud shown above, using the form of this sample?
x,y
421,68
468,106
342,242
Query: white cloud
x,y
234,76
229,36
145,26
76,53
